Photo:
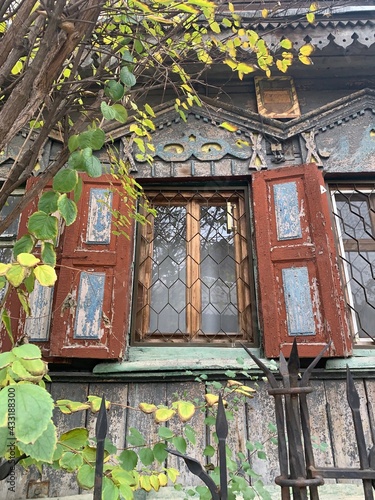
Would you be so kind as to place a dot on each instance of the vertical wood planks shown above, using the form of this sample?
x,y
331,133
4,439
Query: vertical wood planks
x,y
188,391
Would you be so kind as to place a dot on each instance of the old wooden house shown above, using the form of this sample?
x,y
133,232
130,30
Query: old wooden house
x,y
262,235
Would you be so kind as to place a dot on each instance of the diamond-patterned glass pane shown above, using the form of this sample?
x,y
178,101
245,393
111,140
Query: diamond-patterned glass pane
x,y
192,254
355,218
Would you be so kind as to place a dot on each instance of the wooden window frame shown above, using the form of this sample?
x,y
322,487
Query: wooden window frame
x,y
244,278
350,245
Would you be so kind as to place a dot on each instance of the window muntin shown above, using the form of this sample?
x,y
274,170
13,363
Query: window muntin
x,y
193,269
354,212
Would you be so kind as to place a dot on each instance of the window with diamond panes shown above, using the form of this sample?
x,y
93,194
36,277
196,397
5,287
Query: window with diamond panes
x,y
354,212
193,271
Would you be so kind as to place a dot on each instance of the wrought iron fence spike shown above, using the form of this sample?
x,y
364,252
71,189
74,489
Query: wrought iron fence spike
x,y
312,365
293,362
270,376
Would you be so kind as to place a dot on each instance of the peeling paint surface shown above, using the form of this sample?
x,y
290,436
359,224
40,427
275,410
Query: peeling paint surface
x,y
298,303
99,220
38,323
287,211
89,305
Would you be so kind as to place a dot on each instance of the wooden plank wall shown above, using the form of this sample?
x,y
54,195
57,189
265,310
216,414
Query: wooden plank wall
x,y
330,418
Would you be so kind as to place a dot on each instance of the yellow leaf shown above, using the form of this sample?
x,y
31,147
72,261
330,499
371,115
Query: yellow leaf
x,y
229,126
163,415
46,275
4,268
246,391
16,274
27,260
306,50
163,480
286,44
154,481
229,62
310,16
144,482
265,13
17,68
313,7
245,68
147,408
215,27
232,383
185,410
281,66
231,7
211,399
305,60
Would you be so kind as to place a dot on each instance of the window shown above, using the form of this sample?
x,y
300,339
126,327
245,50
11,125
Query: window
x,y
193,270
354,212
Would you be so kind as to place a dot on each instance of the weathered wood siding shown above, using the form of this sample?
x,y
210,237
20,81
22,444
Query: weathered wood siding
x,y
330,417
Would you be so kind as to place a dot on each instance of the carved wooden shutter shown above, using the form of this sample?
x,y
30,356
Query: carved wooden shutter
x,y
299,285
92,298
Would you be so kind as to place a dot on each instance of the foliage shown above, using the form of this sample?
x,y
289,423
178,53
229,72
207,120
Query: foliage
x,y
26,417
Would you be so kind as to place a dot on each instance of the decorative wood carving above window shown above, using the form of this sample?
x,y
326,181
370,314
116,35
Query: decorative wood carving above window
x,y
277,97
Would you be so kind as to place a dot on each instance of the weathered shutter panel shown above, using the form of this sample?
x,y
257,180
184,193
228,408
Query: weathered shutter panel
x,y
92,299
299,285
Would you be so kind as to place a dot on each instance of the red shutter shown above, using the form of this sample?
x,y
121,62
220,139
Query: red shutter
x,y
93,290
299,284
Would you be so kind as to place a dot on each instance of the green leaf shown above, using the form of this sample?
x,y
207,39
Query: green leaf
x,y
27,351
34,407
127,77
165,433
115,90
67,209
93,139
86,477
6,358
180,444
135,437
128,459
23,245
120,113
190,434
48,254
5,318
36,367
160,453
185,410
78,190
65,180
43,226
73,143
29,282
107,111
110,491
77,161
70,461
75,438
209,451
23,298
27,260
48,202
93,166
46,275
44,447
16,274
146,456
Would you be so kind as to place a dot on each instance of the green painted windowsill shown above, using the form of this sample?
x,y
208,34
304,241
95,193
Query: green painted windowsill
x,y
167,362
